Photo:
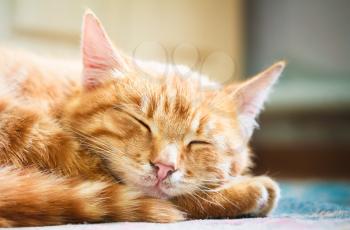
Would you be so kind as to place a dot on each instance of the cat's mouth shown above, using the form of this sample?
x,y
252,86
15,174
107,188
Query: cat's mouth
x,y
156,191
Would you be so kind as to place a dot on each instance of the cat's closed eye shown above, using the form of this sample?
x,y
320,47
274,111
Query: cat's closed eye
x,y
141,122
198,142
135,118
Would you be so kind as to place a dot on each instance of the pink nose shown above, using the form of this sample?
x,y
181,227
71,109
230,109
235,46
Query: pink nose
x,y
163,170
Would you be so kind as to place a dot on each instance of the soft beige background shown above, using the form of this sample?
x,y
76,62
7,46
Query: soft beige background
x,y
203,34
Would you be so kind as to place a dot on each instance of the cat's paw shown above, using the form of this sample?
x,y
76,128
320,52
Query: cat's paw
x,y
161,211
265,193
131,205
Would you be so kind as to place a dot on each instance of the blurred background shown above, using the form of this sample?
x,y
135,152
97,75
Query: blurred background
x,y
305,129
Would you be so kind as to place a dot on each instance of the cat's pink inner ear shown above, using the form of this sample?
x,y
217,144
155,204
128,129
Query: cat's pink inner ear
x,y
251,95
99,56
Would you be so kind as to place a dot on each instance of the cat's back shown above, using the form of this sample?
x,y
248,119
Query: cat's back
x,y
27,78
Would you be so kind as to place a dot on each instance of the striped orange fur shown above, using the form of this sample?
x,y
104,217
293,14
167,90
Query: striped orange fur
x,y
123,145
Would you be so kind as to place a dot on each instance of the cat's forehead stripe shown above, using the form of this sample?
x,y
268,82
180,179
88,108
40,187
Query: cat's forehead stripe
x,y
209,126
144,104
195,122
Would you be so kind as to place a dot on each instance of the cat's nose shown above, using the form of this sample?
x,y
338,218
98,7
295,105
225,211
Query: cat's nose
x,y
163,170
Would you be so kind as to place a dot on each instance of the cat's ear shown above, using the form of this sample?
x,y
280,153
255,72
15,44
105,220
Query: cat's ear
x,y
100,57
249,96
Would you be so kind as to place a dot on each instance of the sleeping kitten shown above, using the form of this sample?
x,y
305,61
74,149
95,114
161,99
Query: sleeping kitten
x,y
120,145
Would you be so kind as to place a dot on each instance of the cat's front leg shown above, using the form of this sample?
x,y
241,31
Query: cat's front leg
x,y
256,196
29,197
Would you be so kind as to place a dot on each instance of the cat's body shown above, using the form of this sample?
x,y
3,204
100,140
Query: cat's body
x,y
125,146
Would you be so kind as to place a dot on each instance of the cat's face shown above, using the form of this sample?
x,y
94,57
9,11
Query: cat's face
x,y
165,135
143,124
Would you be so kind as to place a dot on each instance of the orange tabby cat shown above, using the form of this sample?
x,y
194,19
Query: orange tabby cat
x,y
120,145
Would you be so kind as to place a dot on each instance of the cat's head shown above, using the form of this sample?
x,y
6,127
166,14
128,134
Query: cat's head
x,y
165,135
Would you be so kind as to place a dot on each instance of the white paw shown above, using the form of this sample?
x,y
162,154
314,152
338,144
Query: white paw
x,y
262,200
268,195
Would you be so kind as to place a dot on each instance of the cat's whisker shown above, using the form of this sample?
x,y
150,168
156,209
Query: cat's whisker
x,y
197,201
101,142
213,202
207,194
82,134
218,192
98,144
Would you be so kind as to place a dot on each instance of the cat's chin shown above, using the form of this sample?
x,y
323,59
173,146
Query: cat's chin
x,y
155,192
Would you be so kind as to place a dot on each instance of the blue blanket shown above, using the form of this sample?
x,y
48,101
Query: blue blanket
x,y
314,200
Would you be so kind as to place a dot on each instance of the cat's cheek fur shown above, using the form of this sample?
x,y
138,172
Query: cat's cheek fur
x,y
171,185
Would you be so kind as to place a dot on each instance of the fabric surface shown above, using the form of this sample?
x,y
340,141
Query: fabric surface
x,y
314,200
304,205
